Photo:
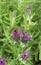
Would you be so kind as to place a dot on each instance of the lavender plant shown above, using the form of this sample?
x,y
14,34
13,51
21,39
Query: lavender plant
x,y
20,32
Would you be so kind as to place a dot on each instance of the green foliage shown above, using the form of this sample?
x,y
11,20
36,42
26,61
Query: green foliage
x,y
11,49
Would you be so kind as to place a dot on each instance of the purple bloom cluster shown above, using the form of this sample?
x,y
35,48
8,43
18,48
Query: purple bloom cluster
x,y
26,38
16,34
3,61
25,55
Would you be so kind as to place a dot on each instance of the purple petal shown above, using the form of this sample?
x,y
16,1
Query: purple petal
x,y
29,37
26,38
16,35
3,61
25,55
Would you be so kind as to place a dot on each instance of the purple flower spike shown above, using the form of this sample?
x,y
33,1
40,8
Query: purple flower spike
x,y
3,61
25,55
28,10
16,35
25,38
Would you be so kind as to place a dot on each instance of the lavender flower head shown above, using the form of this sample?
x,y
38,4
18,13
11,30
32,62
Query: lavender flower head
x,y
26,38
16,35
28,10
3,61
25,55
